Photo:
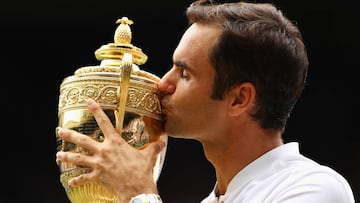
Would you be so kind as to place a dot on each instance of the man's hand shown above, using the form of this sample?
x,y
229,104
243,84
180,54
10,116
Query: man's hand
x,y
116,165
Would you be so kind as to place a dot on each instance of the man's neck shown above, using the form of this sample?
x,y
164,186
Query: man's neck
x,y
231,157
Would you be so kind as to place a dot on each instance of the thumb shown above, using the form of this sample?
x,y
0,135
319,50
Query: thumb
x,y
154,148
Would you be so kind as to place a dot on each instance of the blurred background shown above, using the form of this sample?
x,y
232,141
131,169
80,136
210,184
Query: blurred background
x,y
44,41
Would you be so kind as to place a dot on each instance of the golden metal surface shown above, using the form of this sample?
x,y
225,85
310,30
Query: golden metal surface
x,y
124,90
129,97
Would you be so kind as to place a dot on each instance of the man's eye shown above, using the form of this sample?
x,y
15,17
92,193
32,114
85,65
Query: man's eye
x,y
183,74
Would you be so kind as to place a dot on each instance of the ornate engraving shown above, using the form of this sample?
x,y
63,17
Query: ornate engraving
x,y
143,98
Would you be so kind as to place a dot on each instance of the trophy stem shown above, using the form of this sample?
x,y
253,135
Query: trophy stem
x,y
124,87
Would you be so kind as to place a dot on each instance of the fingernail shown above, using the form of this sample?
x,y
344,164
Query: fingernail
x,y
57,161
89,101
72,183
57,129
162,145
59,155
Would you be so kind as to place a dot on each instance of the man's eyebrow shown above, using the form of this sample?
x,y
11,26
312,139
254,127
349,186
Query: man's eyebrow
x,y
181,64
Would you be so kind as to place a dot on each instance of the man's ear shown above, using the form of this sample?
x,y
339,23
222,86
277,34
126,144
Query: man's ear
x,y
241,98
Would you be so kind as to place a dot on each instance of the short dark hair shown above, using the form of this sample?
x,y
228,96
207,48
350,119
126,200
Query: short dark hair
x,y
258,44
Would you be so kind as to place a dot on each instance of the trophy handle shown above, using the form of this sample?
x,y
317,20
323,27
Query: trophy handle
x,y
126,67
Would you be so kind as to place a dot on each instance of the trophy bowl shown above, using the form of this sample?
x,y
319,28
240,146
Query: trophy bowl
x,y
129,97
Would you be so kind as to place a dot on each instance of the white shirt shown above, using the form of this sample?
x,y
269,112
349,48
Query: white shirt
x,y
284,175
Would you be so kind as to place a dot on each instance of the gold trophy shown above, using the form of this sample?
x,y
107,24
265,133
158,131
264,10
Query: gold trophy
x,y
127,94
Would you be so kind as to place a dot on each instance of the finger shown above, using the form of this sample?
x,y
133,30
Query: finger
x,y
82,179
102,119
75,158
78,139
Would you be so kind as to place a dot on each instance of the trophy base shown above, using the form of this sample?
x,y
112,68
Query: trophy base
x,y
89,193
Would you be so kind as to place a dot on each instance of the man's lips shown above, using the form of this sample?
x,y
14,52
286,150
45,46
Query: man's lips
x,y
164,107
164,110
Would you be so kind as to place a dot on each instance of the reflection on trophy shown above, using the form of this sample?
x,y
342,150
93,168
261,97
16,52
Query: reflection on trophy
x,y
129,97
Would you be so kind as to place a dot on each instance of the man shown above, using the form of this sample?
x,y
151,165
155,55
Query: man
x,y
237,73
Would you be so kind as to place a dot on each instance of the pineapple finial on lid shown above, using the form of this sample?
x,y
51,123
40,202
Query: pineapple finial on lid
x,y
109,53
123,32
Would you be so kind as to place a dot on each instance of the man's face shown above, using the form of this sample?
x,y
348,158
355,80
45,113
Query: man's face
x,y
189,110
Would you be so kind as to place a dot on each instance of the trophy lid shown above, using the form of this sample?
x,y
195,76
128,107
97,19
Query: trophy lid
x,y
112,54
102,82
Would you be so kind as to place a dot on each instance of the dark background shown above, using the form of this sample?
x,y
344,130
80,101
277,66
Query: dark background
x,y
44,41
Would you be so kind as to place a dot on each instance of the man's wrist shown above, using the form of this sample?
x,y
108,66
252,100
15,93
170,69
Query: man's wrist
x,y
146,198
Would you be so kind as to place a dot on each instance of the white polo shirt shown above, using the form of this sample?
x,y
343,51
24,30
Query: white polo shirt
x,y
283,175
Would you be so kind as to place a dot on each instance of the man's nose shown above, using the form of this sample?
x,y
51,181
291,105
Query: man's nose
x,y
166,85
